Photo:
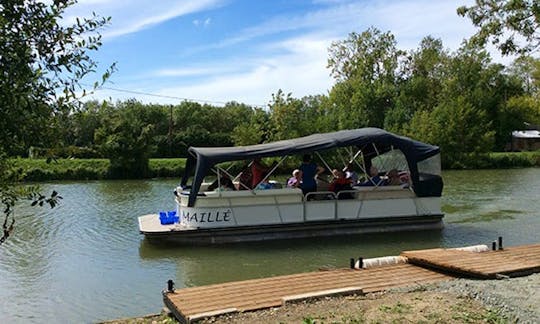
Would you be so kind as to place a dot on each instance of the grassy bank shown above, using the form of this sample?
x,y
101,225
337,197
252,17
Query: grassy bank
x,y
89,169
96,169
499,160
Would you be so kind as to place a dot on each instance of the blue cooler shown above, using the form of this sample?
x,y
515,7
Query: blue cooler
x,y
167,218
172,215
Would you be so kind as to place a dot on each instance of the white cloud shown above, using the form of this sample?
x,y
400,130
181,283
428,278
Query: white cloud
x,y
409,21
300,71
203,23
297,62
193,71
132,16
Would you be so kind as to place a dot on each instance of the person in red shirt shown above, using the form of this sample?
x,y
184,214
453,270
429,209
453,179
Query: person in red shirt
x,y
258,171
340,183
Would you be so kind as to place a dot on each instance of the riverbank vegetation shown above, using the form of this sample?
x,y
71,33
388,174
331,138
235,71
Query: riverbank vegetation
x,y
42,62
459,100
88,169
35,170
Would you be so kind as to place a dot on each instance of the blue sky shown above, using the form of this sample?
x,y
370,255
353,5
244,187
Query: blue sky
x,y
225,50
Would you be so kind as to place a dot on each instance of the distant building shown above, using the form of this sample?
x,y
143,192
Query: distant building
x,y
526,140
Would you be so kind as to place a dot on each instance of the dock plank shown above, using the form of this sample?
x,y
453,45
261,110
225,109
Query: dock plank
x,y
511,261
269,292
422,267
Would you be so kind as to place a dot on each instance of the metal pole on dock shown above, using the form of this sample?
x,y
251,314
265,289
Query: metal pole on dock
x,y
170,286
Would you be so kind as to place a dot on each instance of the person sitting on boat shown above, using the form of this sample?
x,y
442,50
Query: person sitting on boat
x,y
296,180
309,171
339,183
225,184
259,171
265,184
393,178
374,180
351,174
245,179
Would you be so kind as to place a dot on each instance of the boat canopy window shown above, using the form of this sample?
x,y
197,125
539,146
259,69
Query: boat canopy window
x,y
371,141
430,165
393,159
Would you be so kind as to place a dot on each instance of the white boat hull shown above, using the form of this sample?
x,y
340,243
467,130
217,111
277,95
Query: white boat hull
x,y
296,230
239,216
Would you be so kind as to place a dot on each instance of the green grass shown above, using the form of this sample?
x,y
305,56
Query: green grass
x,y
88,169
504,160
62,169
398,308
96,169
166,168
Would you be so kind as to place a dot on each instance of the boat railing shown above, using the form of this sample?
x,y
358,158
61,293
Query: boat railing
x,y
292,195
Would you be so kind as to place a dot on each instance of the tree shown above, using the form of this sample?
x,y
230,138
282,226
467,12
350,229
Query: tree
x,y
422,76
285,115
462,131
513,26
364,66
526,70
247,134
42,62
126,138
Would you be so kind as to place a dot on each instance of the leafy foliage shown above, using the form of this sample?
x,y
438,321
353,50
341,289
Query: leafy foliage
x,y
513,26
42,62
10,195
364,66
126,138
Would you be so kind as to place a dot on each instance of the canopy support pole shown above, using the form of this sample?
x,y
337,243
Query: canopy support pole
x,y
324,162
272,170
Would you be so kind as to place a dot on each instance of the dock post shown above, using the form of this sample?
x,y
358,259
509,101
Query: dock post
x,y
500,243
352,263
493,246
170,286
360,263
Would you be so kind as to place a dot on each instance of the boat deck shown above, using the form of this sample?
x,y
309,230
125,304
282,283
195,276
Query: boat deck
x,y
425,266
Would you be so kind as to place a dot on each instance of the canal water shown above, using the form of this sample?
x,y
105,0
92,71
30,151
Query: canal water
x,y
85,261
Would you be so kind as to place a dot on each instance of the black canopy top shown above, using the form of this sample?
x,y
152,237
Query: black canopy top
x,y
204,158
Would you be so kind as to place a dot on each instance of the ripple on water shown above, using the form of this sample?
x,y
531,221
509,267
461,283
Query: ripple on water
x,y
490,216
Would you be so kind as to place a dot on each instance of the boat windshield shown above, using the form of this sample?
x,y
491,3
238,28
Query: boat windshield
x,y
430,165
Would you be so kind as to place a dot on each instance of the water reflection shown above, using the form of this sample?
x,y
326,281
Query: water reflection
x,y
200,265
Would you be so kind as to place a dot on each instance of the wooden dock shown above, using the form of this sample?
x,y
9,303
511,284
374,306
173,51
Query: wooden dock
x,y
511,262
425,266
